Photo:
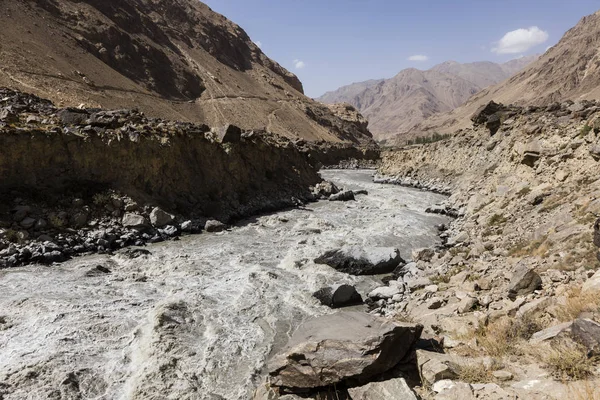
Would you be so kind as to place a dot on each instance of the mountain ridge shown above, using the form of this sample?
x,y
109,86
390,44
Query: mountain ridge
x,y
176,60
419,94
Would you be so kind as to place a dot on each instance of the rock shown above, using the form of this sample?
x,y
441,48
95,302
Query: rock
x,y
587,332
531,153
325,189
592,285
434,367
53,256
346,195
423,254
338,296
79,219
416,284
581,330
20,212
134,221
385,292
229,134
160,218
355,260
170,231
72,116
595,152
502,375
434,303
335,348
386,390
28,223
451,390
466,305
523,282
212,225
8,116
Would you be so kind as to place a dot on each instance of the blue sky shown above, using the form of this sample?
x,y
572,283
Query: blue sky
x,y
331,43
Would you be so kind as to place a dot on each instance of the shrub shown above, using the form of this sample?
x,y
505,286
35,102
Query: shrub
x,y
436,137
496,220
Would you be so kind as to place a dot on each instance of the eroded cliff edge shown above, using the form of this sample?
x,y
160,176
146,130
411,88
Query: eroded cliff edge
x,y
90,179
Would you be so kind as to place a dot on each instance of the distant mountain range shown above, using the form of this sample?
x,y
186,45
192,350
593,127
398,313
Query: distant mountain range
x,y
395,106
570,70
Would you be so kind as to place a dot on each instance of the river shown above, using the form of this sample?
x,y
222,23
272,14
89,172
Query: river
x,y
196,318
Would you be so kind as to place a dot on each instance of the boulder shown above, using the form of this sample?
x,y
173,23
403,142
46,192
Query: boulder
x,y
523,282
28,223
582,330
349,347
423,254
595,152
385,292
229,134
356,260
160,218
212,225
531,153
434,367
592,284
325,189
386,390
135,221
338,296
79,219
346,195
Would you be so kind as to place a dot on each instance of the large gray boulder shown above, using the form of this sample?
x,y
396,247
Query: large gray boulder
x,y
160,218
386,390
135,221
338,296
523,282
349,347
356,260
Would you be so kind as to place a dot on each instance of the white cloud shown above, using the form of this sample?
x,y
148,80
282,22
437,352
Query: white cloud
x,y
258,43
520,40
299,64
418,57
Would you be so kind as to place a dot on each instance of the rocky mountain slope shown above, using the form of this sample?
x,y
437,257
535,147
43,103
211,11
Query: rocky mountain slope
x,y
396,105
171,59
567,71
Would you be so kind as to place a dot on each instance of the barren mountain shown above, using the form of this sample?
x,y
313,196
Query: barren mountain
x,y
394,106
567,71
173,59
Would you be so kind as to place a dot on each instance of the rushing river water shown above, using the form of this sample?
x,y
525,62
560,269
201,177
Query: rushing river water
x,y
197,318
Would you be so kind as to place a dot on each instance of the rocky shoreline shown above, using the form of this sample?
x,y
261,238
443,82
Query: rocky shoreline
x,y
80,181
508,305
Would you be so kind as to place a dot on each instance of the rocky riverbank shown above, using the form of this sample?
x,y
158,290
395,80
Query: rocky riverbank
x,y
78,180
513,300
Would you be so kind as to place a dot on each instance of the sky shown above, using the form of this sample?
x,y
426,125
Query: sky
x,y
331,43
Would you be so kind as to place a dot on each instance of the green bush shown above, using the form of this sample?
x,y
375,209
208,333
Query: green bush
x,y
436,137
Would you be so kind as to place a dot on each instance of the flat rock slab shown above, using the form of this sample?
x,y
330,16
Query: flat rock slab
x,y
386,390
341,347
356,260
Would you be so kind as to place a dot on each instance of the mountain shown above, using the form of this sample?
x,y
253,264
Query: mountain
x,y
394,106
570,70
174,59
